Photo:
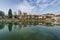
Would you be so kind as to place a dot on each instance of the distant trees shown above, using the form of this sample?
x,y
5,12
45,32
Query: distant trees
x,y
10,13
15,15
1,13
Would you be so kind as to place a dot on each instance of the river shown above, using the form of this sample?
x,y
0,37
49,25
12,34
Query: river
x,y
30,31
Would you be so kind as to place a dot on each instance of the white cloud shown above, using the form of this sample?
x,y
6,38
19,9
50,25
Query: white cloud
x,y
26,7
53,2
38,1
43,6
44,0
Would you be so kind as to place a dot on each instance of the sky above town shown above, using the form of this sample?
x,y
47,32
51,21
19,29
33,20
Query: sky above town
x,y
31,6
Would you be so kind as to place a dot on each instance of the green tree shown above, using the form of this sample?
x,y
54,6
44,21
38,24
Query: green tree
x,y
15,14
10,13
1,13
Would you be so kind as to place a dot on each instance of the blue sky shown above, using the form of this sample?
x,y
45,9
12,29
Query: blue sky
x,y
31,6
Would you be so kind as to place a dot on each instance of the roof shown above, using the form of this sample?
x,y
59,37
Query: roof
x,y
48,14
58,15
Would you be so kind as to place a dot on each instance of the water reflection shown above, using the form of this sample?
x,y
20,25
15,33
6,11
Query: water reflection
x,y
29,31
10,26
1,26
49,24
25,24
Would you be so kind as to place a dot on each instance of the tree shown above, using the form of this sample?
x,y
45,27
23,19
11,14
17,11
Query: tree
x,y
15,15
1,13
10,13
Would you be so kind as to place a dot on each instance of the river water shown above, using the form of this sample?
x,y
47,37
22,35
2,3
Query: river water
x,y
30,31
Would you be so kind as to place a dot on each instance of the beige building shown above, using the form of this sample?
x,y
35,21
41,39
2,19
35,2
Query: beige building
x,y
48,15
57,19
19,14
40,17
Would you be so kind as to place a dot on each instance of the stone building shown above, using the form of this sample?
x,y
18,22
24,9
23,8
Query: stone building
x,y
40,17
48,15
19,14
57,19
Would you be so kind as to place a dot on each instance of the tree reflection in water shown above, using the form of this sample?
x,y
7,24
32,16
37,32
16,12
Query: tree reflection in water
x,y
1,26
24,32
24,24
10,26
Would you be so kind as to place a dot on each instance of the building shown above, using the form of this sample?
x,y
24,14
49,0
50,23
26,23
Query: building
x,y
48,15
57,19
40,17
19,14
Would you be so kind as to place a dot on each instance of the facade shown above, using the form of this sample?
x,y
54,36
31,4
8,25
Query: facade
x,y
48,15
26,16
19,14
40,17
57,19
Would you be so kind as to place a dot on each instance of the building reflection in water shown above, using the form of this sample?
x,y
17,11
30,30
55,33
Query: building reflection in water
x,y
49,24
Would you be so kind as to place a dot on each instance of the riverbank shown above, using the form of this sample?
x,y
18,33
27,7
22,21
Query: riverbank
x,y
21,20
9,20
